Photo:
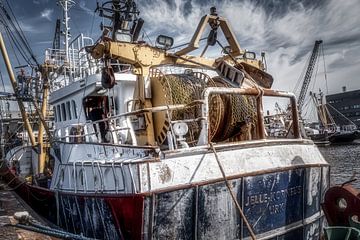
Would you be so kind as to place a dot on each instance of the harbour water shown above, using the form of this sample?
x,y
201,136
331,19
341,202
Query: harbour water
x,y
344,161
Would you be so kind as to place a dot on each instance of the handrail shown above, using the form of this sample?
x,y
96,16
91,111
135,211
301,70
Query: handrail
x,y
78,64
117,129
137,112
91,128
259,93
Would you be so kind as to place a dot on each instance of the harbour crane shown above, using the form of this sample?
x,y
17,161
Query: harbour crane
x,y
308,74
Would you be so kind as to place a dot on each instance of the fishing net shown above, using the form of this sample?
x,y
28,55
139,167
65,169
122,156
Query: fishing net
x,y
227,113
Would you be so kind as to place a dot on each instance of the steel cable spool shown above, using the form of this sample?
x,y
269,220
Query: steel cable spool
x,y
240,111
227,113
176,89
217,106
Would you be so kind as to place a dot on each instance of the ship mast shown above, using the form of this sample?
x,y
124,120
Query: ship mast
x,y
66,5
30,98
15,87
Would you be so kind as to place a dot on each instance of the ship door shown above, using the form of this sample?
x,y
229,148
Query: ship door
x,y
95,102
96,110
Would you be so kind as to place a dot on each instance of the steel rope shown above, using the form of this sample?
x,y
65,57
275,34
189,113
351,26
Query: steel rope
x,y
251,231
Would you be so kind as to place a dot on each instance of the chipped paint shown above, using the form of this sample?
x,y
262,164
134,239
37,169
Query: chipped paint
x,y
313,182
164,173
203,167
273,204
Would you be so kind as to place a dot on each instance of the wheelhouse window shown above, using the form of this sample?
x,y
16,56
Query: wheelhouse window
x,y
55,115
68,110
95,102
74,109
63,111
59,113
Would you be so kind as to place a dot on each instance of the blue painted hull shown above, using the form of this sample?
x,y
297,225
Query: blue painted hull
x,y
280,204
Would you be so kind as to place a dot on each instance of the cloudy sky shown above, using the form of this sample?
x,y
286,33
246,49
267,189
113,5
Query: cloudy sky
x,y
285,29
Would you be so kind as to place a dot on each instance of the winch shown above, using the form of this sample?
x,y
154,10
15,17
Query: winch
x,y
230,116
341,203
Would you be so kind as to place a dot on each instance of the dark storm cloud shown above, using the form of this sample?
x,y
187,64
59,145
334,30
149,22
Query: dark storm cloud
x,y
348,58
345,41
187,8
279,8
339,63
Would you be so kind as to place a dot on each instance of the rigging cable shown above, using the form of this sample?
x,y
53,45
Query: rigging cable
x,y
325,73
1,102
18,26
2,81
92,24
17,34
306,106
301,77
185,44
21,34
77,29
340,114
13,40
232,194
12,43
152,44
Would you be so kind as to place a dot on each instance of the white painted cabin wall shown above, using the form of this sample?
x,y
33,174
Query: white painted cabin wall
x,y
122,92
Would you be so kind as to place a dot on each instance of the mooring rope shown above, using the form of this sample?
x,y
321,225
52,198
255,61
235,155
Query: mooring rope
x,y
48,231
233,194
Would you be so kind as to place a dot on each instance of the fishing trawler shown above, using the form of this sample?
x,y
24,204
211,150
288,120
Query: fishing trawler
x,y
153,143
326,130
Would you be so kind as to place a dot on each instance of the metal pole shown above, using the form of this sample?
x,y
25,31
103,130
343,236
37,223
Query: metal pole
x,y
14,85
229,186
66,30
295,117
43,125
66,5
260,118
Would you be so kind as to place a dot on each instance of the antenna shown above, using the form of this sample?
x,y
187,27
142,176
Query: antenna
x,y
66,5
125,24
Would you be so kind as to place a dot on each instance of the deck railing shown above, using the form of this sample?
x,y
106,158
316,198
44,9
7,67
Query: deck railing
x,y
78,65
121,129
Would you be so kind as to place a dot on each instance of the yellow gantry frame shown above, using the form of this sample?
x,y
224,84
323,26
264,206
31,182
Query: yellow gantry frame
x,y
225,27
142,57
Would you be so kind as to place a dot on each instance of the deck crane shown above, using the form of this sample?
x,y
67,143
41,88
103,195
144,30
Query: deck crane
x,y
308,74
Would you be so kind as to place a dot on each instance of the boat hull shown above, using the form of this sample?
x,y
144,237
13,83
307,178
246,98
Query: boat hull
x,y
323,139
276,204
284,203
344,137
